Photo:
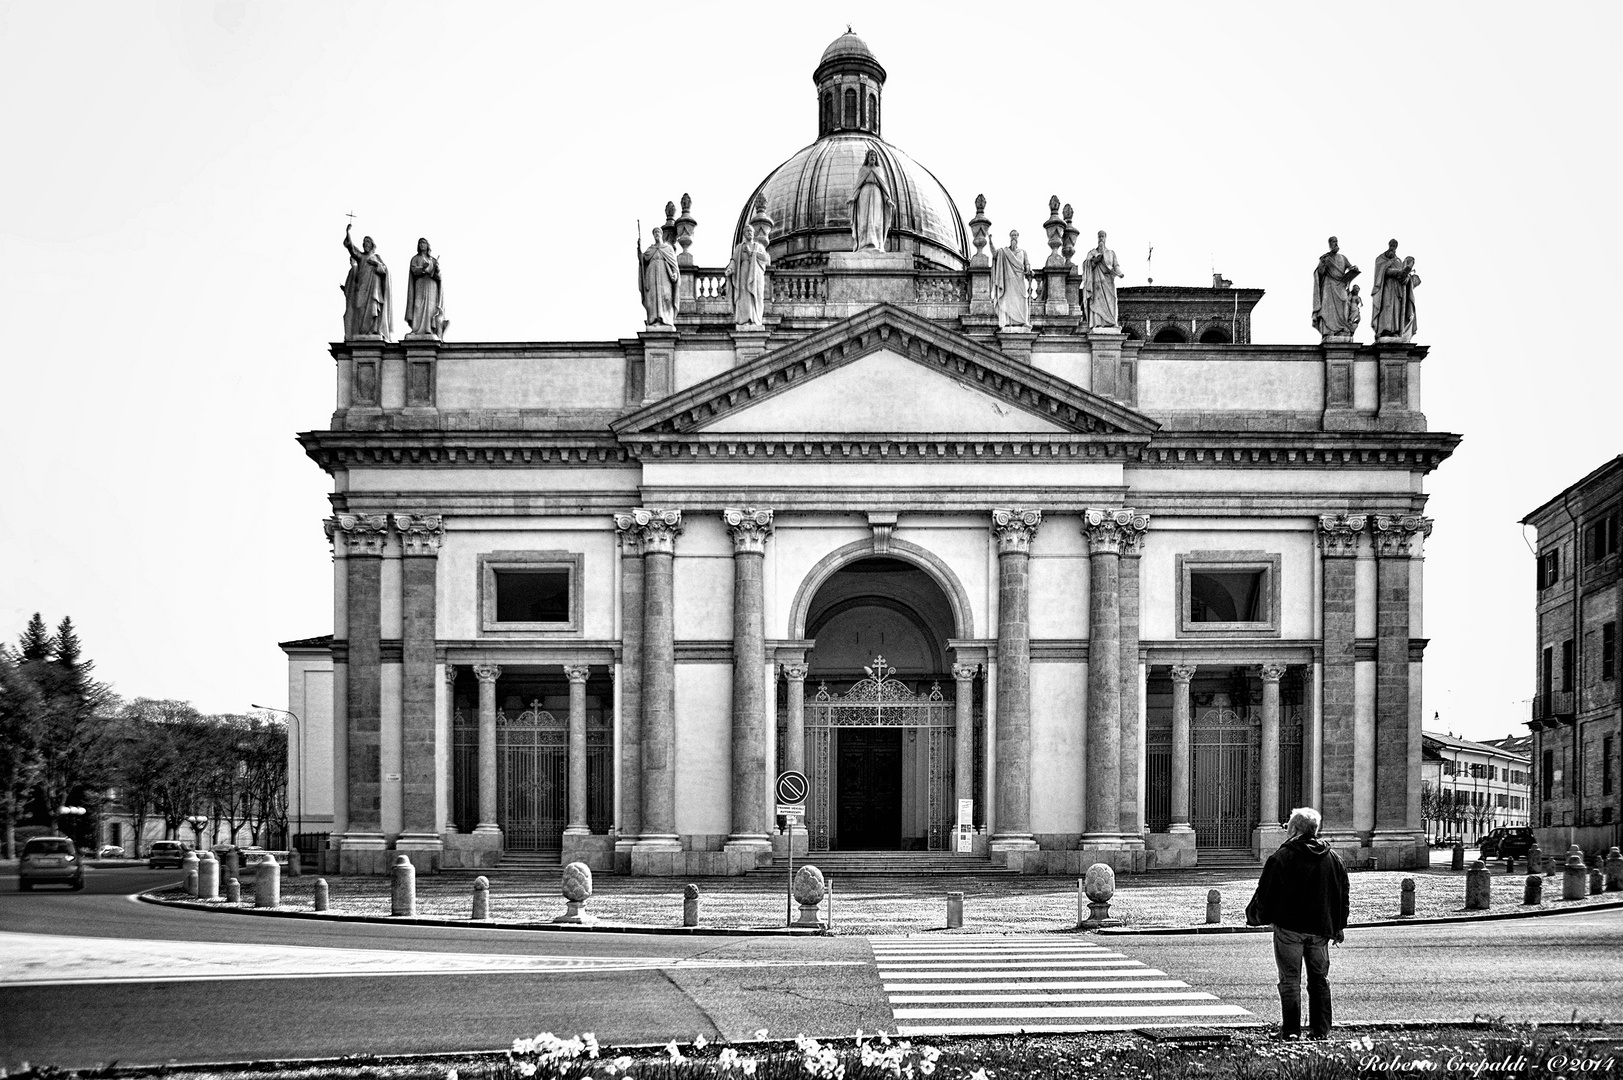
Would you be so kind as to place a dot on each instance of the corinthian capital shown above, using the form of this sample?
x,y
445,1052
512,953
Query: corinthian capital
x,y
577,673
1015,529
1114,531
420,534
361,534
487,673
1395,536
658,528
1183,673
796,672
964,672
750,526
1338,534
630,533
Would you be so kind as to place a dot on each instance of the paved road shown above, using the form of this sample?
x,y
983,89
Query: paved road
x,y
108,978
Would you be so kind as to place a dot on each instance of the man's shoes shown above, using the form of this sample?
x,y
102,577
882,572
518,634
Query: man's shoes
x,y
1285,1036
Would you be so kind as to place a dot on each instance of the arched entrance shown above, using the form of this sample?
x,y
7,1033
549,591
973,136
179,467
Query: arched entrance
x,y
880,709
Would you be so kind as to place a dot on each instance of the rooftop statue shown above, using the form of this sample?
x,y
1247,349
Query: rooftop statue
x,y
1099,273
1355,311
872,207
1331,314
746,280
659,275
1392,307
425,298
367,310
1010,269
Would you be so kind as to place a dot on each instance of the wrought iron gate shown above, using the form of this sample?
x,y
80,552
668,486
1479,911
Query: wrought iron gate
x,y
532,765
464,770
1223,745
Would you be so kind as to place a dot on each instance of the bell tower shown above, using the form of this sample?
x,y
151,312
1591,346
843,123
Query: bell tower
x,y
850,84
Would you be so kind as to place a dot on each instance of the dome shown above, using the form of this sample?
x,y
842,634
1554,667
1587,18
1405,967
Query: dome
x,y
845,46
807,198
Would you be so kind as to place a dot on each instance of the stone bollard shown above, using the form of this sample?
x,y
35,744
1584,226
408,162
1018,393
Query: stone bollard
x,y
1510,865
231,868
188,866
1597,880
1098,885
690,905
1406,901
1614,870
321,894
577,889
1547,865
1535,860
403,887
481,898
955,910
233,891
268,884
1533,890
208,876
1214,906
1457,859
1574,876
808,893
295,863
1478,887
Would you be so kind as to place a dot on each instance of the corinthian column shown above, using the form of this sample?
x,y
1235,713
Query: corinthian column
x,y
1397,726
1181,676
363,537
1014,530
1268,809
577,675
420,536
749,526
1338,545
1131,821
487,674
659,531
794,753
629,685
963,771
1104,530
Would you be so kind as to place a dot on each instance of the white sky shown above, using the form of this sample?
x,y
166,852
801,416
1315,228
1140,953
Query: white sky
x,y
176,179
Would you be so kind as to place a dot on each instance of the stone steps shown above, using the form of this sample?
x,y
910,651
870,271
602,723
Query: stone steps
x,y
885,864
1226,858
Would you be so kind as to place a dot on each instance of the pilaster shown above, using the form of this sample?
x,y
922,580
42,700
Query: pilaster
x,y
1269,833
1132,796
658,363
420,536
363,537
1104,530
963,771
1106,347
340,679
749,528
1397,816
659,529
1014,530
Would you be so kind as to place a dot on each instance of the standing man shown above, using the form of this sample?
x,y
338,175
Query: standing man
x,y
1099,273
1304,894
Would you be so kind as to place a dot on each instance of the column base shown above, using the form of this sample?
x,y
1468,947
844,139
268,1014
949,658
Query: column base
x,y
597,852
577,830
424,850
1013,842
1395,849
622,853
487,827
1266,838
1107,841
658,842
1180,827
363,853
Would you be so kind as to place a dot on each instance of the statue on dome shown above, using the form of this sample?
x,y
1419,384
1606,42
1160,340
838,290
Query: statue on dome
x,y
1099,273
1010,271
1392,307
871,206
1331,278
367,310
746,280
425,295
658,277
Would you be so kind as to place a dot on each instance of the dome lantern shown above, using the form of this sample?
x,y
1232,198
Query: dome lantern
x,y
850,83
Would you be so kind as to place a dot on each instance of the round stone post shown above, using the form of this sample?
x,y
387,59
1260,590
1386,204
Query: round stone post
x,y
1214,906
487,674
1268,767
208,876
1574,875
268,884
481,898
1614,870
403,887
1478,886
1597,882
1406,900
1535,860
1456,860
955,910
690,905
321,894
1103,529
963,765
750,527
1014,531
659,531
1533,890
1181,676
577,675
808,890
188,867
233,891
577,889
1098,885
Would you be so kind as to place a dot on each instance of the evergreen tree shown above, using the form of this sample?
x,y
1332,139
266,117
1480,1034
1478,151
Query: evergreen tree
x,y
35,645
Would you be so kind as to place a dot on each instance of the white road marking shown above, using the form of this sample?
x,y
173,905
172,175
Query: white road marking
x,y
964,987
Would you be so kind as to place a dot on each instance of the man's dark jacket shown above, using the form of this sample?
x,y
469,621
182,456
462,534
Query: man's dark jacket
x,y
1304,888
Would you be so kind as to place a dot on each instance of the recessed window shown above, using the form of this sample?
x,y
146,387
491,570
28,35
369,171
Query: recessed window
x,y
1549,568
1228,593
530,593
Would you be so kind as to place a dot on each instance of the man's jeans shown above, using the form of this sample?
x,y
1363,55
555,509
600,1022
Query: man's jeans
x,y
1290,949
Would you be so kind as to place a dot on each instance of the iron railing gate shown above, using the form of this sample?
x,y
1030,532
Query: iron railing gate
x,y
1223,745
532,768
1158,771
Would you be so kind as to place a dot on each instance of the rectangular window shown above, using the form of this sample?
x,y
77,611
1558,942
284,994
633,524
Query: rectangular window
x,y
1608,651
1606,765
1547,788
1493,772
1547,676
1501,800
1549,568
530,593
1600,538
1228,593
1568,665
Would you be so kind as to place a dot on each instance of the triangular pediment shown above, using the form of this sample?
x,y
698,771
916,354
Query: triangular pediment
x,y
885,370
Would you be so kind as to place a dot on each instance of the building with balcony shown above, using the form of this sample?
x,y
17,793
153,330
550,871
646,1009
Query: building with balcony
x,y
1577,722
1104,591
1468,789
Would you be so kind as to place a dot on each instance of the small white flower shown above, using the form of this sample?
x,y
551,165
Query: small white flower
x,y
526,1068
590,1042
673,1050
760,1033
749,1065
450,1074
700,1043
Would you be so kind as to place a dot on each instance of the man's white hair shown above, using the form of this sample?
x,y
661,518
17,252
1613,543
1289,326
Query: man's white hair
x,y
1305,821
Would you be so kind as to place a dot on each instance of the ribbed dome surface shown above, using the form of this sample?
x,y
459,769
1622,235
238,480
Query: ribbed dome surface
x,y
807,198
847,44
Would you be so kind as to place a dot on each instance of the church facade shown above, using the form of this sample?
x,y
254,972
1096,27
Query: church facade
x,y
1012,564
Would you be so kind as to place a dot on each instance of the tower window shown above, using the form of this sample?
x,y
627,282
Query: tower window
x,y
827,119
873,113
1171,335
850,108
1216,335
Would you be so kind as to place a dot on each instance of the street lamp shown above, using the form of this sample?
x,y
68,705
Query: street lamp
x,y
197,821
298,769
68,812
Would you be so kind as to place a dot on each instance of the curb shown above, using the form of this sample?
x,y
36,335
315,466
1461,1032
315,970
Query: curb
x,y
489,924
1492,916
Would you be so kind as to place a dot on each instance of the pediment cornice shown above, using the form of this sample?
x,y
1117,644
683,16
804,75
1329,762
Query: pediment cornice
x,y
905,334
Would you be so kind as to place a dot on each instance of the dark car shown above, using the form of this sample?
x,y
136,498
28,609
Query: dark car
x,y
167,853
1507,843
50,860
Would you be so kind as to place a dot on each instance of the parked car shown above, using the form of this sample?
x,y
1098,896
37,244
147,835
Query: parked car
x,y
50,860
109,851
1448,841
1507,843
249,857
167,853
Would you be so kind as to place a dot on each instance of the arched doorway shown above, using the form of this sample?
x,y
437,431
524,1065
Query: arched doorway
x,y
879,709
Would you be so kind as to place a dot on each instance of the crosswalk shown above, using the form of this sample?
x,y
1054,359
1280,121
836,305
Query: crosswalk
x,y
991,985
